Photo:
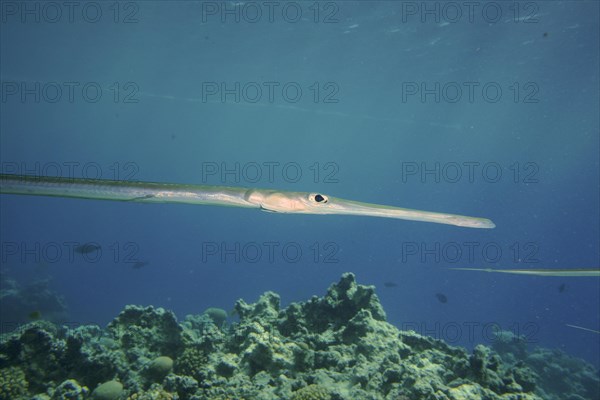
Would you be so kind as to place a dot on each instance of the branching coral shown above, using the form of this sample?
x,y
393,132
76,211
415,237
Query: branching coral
x,y
13,384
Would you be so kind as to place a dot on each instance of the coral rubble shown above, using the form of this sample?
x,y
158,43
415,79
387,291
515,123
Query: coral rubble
x,y
334,347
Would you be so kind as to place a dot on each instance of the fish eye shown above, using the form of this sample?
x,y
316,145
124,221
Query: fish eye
x,y
318,198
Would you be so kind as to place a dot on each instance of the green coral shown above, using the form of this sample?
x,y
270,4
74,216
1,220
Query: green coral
x,y
147,331
70,390
343,301
190,361
160,367
110,390
218,315
227,365
184,386
509,346
155,392
264,350
339,345
13,384
551,366
311,392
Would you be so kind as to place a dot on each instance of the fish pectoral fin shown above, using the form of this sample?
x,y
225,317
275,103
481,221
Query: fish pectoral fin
x,y
267,210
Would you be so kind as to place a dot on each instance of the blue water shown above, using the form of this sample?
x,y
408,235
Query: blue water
x,y
356,124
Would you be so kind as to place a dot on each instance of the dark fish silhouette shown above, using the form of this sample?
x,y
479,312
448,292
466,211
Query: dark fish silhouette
x,y
139,264
441,297
562,288
87,248
35,315
390,284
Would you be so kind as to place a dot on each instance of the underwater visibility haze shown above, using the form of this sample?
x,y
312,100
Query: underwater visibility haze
x,y
305,120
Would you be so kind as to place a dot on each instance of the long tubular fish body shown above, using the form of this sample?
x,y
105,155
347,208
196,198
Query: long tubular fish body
x,y
101,189
575,272
267,200
583,329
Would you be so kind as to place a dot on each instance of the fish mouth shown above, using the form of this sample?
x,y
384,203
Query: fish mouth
x,y
350,207
320,204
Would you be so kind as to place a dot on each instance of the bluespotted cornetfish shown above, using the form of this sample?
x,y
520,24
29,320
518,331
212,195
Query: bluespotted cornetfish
x,y
575,272
267,200
582,328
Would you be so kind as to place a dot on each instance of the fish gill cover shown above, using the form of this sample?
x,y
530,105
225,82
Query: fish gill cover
x,y
335,347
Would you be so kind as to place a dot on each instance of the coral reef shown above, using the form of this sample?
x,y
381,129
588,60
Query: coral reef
x,y
553,366
218,315
509,346
13,384
110,390
20,304
70,390
160,367
311,392
155,392
334,347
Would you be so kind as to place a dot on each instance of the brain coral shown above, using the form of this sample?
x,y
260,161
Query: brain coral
x,y
110,390
218,315
161,366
